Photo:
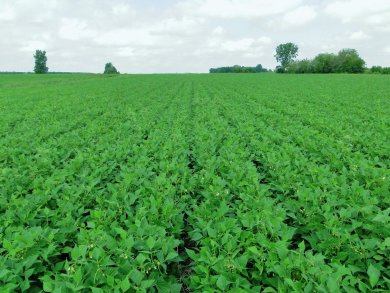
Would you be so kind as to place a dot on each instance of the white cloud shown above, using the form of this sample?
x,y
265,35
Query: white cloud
x,y
127,36
247,46
123,9
380,22
387,50
36,11
356,10
359,36
237,8
219,30
31,46
7,12
299,16
75,29
296,17
264,40
184,25
159,33
125,52
379,19
328,47
67,55
385,28
237,45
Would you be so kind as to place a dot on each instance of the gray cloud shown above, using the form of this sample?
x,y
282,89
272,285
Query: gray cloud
x,y
187,35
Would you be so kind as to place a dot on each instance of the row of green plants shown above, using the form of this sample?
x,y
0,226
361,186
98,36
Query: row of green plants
x,y
283,219
97,207
194,183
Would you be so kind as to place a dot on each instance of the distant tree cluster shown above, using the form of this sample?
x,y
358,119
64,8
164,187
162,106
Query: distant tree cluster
x,y
346,61
379,70
239,69
110,69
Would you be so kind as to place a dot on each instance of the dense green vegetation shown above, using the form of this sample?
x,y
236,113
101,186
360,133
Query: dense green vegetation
x,y
239,69
346,61
206,183
379,70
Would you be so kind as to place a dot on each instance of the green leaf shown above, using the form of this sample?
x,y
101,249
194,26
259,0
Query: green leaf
x,y
192,254
150,242
197,236
242,261
110,281
8,245
381,218
212,233
141,258
332,285
171,255
254,250
373,274
24,285
222,283
78,276
136,276
75,254
125,285
48,285
3,273
147,283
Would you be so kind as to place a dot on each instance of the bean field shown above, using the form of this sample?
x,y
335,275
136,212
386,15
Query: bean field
x,y
194,183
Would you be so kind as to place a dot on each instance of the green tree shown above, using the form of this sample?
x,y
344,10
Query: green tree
x,y
349,61
260,68
40,62
325,63
386,70
285,54
376,69
301,66
110,69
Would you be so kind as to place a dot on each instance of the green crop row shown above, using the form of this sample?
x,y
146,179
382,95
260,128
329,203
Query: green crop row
x,y
194,183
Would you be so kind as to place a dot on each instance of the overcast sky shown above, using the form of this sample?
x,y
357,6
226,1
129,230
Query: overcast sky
x,y
145,36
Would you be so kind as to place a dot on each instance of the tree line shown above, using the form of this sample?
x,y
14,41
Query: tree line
x,y
346,61
380,70
239,69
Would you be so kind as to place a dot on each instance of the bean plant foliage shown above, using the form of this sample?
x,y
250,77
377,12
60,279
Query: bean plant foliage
x,y
194,183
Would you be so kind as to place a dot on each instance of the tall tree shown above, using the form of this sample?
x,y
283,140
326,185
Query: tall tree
x,y
40,62
110,69
285,54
